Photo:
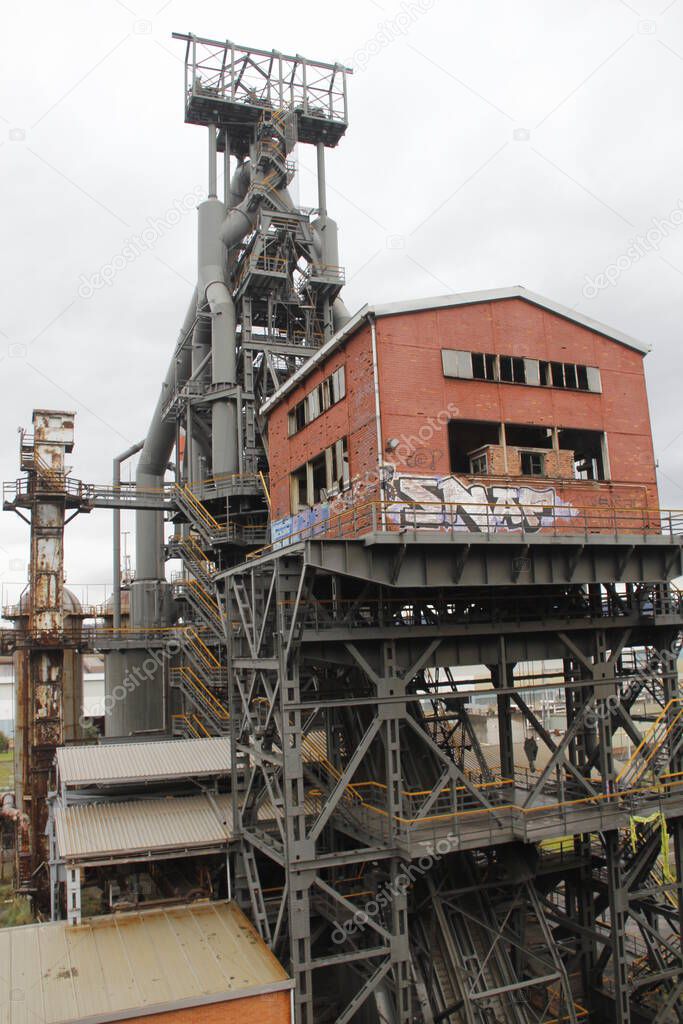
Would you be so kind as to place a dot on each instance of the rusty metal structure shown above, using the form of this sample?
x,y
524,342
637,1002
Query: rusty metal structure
x,y
400,871
48,676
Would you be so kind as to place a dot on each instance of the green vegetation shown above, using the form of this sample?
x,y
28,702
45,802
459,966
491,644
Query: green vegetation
x,y
14,910
6,773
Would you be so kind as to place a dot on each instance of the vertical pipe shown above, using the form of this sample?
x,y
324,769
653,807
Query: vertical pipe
x,y
116,545
378,419
214,291
226,171
213,183
322,191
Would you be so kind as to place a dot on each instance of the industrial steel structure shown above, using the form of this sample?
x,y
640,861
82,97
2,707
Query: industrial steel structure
x,y
334,601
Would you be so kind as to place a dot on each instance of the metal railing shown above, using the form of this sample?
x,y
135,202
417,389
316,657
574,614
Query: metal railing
x,y
483,824
222,71
501,517
558,607
667,727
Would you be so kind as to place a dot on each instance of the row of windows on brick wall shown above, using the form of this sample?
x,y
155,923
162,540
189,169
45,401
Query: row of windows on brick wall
x,y
520,370
322,397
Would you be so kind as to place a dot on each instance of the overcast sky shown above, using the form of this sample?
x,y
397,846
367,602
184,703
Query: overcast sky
x,y
491,142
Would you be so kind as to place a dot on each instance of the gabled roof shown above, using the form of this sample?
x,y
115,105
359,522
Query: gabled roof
x,y
444,302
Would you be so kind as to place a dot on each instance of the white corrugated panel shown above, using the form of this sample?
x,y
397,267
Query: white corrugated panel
x,y
125,964
113,763
88,832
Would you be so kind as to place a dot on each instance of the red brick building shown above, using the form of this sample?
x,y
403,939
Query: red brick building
x,y
490,411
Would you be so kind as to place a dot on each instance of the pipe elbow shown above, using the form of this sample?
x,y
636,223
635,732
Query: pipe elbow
x,y
238,223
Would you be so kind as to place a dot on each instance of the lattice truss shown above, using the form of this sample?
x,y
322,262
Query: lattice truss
x,y
378,832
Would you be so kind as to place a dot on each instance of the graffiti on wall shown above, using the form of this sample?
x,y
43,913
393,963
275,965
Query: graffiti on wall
x,y
439,502
432,502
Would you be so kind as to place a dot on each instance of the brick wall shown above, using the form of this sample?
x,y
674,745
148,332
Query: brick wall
x,y
272,1008
416,397
417,401
353,417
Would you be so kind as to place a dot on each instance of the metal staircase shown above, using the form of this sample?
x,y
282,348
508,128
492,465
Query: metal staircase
x,y
203,603
655,750
211,710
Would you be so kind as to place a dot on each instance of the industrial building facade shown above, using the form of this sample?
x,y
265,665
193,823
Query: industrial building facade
x,y
370,518
466,403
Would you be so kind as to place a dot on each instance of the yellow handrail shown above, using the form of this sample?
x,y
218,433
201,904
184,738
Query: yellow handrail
x,y
647,740
196,684
200,647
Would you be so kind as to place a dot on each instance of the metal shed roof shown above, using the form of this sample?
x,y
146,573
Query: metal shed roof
x,y
97,832
444,302
119,763
126,965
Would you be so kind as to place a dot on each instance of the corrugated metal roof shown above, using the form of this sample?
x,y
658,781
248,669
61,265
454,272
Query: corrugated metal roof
x,y
88,833
443,302
129,964
116,763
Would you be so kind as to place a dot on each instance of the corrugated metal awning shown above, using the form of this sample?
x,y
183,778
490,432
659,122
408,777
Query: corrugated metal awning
x,y
121,763
125,965
100,832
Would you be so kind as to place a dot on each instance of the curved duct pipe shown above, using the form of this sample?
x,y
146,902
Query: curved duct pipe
x,y
340,314
156,451
160,438
9,809
218,233
215,231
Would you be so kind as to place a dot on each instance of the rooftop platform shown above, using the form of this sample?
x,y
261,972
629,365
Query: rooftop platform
x,y
134,964
444,544
231,86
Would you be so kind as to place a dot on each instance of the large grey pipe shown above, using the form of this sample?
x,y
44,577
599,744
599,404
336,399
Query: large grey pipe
x,y
326,248
213,290
156,451
218,233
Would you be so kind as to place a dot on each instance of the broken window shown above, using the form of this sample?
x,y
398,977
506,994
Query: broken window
x,y
589,448
326,474
318,478
512,370
327,393
524,435
338,385
299,489
532,463
466,437
483,366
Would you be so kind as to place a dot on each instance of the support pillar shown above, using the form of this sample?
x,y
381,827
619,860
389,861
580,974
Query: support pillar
x,y
618,909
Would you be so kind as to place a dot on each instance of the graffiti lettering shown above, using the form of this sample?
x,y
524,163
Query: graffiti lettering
x,y
446,502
